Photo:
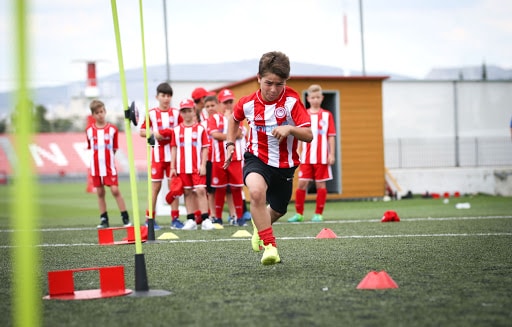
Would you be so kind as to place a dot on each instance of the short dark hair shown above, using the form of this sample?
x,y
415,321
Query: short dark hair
x,y
211,98
164,88
274,62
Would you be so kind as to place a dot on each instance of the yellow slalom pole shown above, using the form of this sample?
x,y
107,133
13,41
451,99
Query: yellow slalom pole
x,y
151,230
141,280
25,256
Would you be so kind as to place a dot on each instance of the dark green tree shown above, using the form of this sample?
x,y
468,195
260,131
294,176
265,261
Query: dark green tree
x,y
3,126
62,125
42,125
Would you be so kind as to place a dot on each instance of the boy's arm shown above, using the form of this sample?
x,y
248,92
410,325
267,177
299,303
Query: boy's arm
x,y
173,161
300,133
219,136
204,159
142,130
233,127
330,158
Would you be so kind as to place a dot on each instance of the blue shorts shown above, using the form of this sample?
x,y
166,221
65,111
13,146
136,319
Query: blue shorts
x,y
279,181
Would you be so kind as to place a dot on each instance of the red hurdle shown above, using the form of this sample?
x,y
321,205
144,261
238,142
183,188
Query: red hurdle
x,y
106,235
61,284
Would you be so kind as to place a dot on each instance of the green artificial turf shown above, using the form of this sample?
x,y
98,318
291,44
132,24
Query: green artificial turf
x,y
453,266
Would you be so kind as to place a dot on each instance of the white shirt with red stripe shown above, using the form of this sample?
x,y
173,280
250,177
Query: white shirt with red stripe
x,y
162,119
103,143
204,122
189,141
219,123
203,115
322,126
263,117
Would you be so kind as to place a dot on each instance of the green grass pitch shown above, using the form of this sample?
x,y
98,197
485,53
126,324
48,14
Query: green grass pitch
x,y
453,266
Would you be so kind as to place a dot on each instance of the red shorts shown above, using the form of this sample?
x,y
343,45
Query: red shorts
x,y
159,170
98,181
192,180
316,172
231,176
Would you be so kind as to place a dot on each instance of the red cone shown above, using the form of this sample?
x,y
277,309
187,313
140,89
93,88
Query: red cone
x,y
390,216
326,233
376,281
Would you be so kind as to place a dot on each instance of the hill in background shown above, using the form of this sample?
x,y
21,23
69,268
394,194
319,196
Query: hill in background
x,y
229,72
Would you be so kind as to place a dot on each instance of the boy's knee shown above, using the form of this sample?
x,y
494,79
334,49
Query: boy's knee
x,y
258,196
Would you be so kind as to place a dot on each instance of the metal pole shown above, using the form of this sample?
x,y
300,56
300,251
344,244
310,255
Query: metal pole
x,y
166,44
362,35
456,122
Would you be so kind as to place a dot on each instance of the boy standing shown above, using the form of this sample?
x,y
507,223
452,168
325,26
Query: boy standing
x,y
102,140
316,157
189,148
277,121
162,120
232,175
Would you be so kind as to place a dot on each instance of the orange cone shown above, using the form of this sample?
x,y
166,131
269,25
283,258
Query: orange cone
x,y
326,233
377,281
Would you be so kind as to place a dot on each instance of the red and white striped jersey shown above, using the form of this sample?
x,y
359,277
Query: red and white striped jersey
x,y
103,144
219,123
162,119
204,122
203,115
322,126
189,141
263,117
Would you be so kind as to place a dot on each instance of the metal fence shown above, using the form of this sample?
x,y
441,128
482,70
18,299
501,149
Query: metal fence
x,y
448,152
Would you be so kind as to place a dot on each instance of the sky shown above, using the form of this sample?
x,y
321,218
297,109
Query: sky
x,y
406,37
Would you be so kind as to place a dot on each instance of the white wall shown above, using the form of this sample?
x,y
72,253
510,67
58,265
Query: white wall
x,y
495,181
427,109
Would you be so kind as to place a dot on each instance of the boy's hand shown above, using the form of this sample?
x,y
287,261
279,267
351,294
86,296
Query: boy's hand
x,y
229,155
281,132
330,159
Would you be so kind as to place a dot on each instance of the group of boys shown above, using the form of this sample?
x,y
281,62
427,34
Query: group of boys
x,y
189,143
189,146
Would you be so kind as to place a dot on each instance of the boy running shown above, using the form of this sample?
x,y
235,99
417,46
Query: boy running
x,y
277,120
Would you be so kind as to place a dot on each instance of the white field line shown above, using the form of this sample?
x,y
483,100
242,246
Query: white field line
x,y
354,221
301,237
292,238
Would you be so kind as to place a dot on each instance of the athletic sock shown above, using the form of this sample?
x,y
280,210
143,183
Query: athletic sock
x,y
175,214
147,214
124,215
220,194
104,216
267,236
197,215
236,192
300,198
321,196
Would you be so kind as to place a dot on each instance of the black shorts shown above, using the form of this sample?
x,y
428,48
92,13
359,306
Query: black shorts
x,y
209,187
279,181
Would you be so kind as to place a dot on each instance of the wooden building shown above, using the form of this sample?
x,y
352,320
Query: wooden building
x,y
356,104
